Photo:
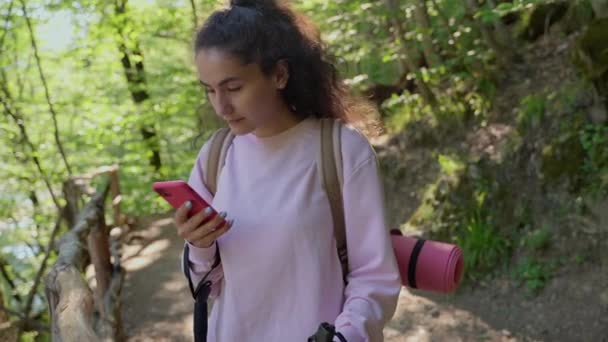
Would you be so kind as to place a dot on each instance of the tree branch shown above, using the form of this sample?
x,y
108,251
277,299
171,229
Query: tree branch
x,y
26,324
46,87
194,15
9,280
49,249
444,18
11,312
170,36
6,22
18,119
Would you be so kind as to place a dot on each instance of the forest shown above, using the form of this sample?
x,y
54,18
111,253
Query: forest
x,y
495,138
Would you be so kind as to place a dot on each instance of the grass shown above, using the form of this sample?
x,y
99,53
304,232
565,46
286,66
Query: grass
x,y
531,112
534,274
482,245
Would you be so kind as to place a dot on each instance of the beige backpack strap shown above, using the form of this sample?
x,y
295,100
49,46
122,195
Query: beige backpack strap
x,y
219,143
330,169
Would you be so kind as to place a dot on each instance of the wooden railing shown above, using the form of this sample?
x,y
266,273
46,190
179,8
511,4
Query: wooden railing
x,y
77,313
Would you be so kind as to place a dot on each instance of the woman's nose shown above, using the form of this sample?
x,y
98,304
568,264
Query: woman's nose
x,y
223,105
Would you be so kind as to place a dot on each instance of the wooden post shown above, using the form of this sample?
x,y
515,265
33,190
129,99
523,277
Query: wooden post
x,y
71,304
72,194
69,297
99,250
112,326
116,196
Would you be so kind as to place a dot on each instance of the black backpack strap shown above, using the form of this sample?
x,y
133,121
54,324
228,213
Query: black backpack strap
x,y
200,294
186,266
326,333
220,141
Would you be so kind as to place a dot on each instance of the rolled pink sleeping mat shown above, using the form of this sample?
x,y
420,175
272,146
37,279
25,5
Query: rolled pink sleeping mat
x,y
426,264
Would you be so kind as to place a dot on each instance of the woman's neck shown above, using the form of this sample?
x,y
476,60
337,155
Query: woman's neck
x,y
284,120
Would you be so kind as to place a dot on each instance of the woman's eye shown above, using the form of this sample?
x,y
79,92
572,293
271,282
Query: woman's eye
x,y
209,91
233,89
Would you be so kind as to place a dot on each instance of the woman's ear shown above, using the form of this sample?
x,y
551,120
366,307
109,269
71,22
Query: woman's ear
x,y
281,74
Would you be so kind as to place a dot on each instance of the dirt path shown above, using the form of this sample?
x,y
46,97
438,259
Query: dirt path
x,y
157,304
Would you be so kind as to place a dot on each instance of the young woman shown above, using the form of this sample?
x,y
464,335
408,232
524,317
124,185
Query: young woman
x,y
266,74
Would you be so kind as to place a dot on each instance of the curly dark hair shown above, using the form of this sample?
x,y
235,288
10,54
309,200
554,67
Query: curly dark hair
x,y
269,31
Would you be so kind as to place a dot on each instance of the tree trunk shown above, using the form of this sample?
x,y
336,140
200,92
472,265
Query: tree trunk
x,y
502,31
409,54
421,17
504,56
136,79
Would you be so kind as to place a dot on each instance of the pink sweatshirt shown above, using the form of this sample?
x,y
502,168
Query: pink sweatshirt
x,y
280,275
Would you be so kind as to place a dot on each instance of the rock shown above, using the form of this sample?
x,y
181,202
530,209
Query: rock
x,y
597,114
435,313
604,298
562,158
563,47
600,7
587,289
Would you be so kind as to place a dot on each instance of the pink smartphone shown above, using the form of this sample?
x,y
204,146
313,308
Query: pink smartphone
x,y
177,192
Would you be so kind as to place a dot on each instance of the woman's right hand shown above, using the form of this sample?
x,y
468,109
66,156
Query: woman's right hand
x,y
197,234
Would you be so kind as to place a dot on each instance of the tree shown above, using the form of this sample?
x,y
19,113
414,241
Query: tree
x,y
409,53
423,24
46,88
132,60
504,54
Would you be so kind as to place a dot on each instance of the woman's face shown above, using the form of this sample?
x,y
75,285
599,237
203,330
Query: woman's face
x,y
240,93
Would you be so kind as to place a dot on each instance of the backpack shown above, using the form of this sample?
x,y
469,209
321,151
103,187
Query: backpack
x,y
329,164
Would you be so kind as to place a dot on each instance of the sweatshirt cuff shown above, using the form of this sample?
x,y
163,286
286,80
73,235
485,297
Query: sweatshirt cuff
x,y
198,255
350,333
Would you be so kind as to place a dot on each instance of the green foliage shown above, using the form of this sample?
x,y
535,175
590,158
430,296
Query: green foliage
x,y
531,112
591,53
450,165
533,271
483,246
534,274
404,109
594,140
537,240
578,259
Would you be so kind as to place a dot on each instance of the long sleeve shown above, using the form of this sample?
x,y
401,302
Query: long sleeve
x,y
201,259
373,280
